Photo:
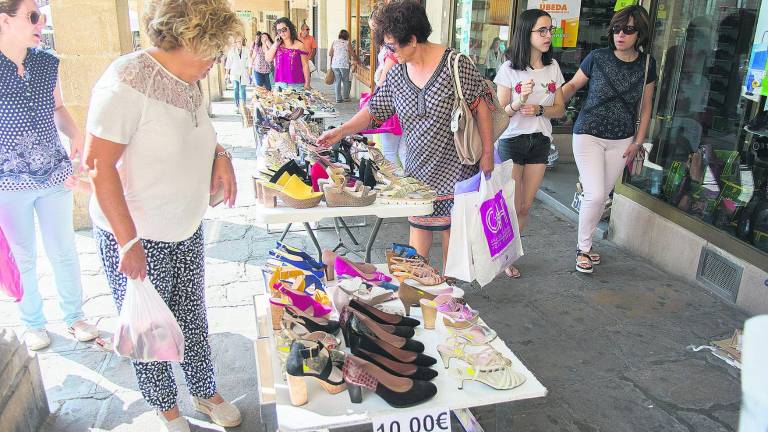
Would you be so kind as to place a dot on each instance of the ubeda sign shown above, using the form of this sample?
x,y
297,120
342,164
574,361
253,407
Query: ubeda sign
x,y
565,16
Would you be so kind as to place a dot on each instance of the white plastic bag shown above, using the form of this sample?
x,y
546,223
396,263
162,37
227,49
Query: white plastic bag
x,y
147,330
469,252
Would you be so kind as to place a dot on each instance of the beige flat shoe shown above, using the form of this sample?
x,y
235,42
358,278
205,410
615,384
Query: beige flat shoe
x,y
83,331
36,339
224,414
179,424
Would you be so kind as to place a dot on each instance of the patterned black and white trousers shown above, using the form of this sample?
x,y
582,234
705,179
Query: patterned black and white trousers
x,y
178,272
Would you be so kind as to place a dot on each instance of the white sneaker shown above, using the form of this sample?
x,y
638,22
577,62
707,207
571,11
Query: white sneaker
x,y
179,424
36,339
224,414
83,331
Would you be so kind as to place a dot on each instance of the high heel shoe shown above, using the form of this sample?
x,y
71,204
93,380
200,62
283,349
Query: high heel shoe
x,y
294,329
317,172
422,275
355,288
382,317
484,357
396,391
412,296
405,370
306,303
298,195
455,312
312,324
343,266
380,347
298,262
487,366
338,195
305,257
476,334
329,259
309,359
352,321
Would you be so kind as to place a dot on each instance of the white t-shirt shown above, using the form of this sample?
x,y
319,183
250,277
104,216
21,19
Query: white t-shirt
x,y
545,81
237,63
170,142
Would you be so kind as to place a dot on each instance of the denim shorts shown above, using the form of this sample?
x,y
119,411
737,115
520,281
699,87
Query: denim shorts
x,y
525,149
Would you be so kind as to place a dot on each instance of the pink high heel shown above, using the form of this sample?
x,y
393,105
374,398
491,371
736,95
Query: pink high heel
x,y
305,302
317,173
343,266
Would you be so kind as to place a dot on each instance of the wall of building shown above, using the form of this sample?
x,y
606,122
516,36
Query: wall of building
x,y
677,250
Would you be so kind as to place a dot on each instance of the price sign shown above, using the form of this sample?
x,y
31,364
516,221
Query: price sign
x,y
434,420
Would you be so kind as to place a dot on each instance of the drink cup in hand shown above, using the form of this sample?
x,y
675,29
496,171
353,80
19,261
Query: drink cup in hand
x,y
526,90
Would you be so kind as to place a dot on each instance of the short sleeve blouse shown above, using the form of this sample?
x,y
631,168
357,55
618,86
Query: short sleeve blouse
x,y
166,167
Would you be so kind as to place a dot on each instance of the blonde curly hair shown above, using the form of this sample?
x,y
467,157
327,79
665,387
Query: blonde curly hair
x,y
204,27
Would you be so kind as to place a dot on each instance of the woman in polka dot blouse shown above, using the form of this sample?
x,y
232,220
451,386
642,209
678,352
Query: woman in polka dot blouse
x,y
35,171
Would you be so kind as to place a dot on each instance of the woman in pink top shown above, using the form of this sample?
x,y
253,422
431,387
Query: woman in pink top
x,y
290,56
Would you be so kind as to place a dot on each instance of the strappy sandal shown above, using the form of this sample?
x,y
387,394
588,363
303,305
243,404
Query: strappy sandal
x,y
484,356
407,194
455,311
583,262
499,378
355,289
421,275
308,359
476,335
594,256
294,329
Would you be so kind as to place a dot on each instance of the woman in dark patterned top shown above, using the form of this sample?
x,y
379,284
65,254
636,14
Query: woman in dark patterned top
x,y
420,91
35,171
604,136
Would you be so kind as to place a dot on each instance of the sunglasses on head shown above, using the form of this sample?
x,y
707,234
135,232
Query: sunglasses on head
x,y
627,29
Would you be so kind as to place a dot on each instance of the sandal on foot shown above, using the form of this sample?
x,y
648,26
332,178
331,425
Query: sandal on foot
x,y
512,272
583,262
594,256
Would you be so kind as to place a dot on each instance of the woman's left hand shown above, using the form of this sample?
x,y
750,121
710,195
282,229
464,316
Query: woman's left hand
x,y
631,152
223,176
486,164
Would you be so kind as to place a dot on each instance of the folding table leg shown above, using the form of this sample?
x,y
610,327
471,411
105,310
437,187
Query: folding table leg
x,y
285,232
311,234
349,233
372,238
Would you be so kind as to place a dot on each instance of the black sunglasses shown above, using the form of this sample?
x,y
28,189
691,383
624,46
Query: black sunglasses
x,y
282,30
627,29
34,17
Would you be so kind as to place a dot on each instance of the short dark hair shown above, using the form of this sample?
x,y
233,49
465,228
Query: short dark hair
x,y
289,24
641,20
519,51
401,20
344,35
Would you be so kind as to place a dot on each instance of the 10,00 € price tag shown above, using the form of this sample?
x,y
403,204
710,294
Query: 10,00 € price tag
x,y
434,420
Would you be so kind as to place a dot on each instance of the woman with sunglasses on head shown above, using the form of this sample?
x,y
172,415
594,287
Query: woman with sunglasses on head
x,y
36,174
155,166
420,90
605,135
529,90
290,57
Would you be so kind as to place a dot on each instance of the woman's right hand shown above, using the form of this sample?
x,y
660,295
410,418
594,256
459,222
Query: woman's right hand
x,y
526,90
330,137
134,263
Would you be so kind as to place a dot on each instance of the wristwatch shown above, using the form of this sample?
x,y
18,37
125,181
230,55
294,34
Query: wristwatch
x,y
223,153
540,112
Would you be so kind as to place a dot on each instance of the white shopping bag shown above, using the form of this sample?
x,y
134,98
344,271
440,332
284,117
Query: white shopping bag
x,y
459,264
468,234
147,330
494,232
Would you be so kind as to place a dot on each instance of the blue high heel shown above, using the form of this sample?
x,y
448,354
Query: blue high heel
x,y
296,261
280,246
310,280
405,251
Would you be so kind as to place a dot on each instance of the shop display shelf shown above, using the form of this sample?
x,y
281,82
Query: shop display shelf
x,y
326,411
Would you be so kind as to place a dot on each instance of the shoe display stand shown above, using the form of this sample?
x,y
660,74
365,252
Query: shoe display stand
x,y
324,411
288,215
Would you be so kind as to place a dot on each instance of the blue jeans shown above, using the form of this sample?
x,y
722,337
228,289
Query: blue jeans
x,y
262,80
341,83
239,92
53,207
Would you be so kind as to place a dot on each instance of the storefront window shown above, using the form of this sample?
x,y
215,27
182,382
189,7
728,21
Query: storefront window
x,y
482,32
702,160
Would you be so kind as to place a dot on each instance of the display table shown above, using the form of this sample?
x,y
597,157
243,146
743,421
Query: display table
x,y
288,215
326,411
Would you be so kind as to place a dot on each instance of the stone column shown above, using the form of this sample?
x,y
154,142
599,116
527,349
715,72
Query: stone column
x,y
23,404
90,34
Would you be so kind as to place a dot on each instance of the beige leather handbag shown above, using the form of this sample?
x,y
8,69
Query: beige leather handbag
x,y
466,134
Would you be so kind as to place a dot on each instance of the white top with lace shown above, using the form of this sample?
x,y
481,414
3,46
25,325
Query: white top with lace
x,y
165,169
